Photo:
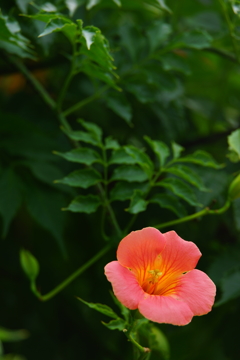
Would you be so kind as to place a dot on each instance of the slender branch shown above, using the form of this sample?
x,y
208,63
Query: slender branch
x,y
36,84
72,277
203,212
86,101
142,349
222,53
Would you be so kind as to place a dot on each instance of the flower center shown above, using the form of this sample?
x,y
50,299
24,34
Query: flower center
x,y
155,274
159,282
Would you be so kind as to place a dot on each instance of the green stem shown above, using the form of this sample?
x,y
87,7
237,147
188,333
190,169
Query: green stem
x,y
72,277
110,211
222,53
86,101
36,84
68,79
137,345
230,28
203,212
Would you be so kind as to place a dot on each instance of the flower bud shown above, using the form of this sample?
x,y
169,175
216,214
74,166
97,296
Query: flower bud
x,y
29,264
234,189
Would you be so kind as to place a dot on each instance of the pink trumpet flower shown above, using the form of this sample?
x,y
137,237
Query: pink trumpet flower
x,y
155,273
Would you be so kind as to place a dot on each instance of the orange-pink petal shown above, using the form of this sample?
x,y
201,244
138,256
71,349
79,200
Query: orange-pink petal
x,y
125,285
139,249
198,291
165,309
178,255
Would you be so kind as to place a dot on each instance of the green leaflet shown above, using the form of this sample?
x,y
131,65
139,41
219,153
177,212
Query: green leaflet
x,y
84,204
11,39
92,128
202,158
129,173
180,189
160,149
176,149
187,174
120,156
124,190
234,146
81,178
85,156
104,309
169,202
117,324
138,203
111,143
82,136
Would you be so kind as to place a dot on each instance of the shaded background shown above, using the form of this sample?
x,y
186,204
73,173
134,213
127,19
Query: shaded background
x,y
190,95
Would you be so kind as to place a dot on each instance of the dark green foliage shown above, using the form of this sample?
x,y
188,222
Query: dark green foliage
x,y
115,115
